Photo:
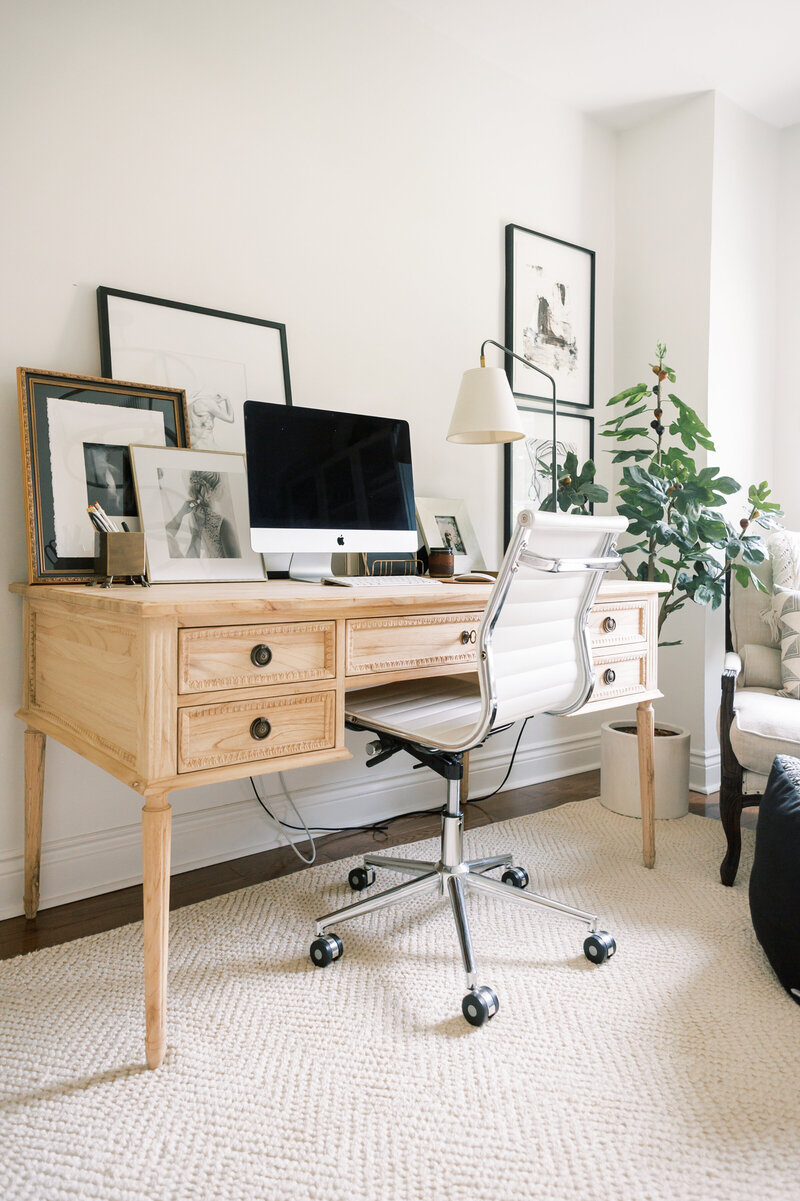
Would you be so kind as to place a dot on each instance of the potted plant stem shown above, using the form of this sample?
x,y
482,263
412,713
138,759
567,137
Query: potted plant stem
x,y
679,536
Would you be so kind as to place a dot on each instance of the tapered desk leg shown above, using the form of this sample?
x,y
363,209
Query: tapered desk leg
x,y
156,837
35,744
645,729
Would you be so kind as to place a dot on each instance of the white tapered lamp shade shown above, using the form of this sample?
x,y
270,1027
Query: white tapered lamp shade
x,y
485,409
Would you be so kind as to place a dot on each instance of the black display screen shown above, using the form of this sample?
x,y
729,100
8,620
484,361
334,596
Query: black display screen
x,y
310,469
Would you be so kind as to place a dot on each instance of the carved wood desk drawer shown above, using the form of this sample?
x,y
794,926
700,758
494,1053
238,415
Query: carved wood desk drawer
x,y
219,657
617,623
403,643
255,729
619,677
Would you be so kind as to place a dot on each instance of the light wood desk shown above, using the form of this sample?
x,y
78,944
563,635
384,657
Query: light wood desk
x,y
177,685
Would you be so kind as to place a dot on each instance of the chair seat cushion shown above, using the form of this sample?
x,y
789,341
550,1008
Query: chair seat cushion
x,y
775,878
764,725
441,712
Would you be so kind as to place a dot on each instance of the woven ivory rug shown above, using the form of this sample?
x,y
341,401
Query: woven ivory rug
x,y
670,1072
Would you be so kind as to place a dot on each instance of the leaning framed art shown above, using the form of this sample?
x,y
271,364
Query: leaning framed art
x,y
444,521
75,433
195,515
550,315
529,461
220,359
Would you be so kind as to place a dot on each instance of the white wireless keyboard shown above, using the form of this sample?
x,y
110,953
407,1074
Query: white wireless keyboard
x,y
379,581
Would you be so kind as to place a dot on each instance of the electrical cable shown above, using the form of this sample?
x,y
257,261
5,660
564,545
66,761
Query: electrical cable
x,y
477,800
282,825
378,827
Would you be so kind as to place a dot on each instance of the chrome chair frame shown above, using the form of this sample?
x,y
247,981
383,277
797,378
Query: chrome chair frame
x,y
451,874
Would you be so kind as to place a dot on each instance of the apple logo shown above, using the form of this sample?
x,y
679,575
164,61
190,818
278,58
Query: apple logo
x,y
340,540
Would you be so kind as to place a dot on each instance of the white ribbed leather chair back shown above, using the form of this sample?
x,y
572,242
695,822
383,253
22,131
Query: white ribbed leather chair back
x,y
534,632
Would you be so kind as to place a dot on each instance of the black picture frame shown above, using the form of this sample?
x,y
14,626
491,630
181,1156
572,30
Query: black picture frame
x,y
220,359
540,268
517,496
55,505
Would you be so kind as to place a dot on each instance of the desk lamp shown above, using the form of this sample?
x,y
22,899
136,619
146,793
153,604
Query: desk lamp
x,y
486,411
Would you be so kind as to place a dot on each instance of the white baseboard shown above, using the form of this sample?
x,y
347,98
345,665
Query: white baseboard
x,y
99,862
704,771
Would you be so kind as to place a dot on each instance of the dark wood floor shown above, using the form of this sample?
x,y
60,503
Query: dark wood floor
x,y
63,923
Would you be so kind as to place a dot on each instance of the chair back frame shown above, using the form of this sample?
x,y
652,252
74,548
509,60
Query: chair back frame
x,y
517,554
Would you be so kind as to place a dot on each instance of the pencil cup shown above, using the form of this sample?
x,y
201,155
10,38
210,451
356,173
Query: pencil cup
x,y
119,555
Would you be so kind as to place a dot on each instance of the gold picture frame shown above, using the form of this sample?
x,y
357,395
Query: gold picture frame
x,y
75,434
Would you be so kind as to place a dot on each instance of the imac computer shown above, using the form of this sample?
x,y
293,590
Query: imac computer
x,y
322,482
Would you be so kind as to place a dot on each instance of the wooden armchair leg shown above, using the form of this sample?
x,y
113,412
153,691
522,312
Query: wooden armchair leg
x,y
730,811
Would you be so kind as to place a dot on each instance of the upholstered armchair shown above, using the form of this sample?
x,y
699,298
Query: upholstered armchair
x,y
755,722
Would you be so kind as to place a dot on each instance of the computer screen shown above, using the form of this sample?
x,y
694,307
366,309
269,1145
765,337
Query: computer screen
x,y
326,481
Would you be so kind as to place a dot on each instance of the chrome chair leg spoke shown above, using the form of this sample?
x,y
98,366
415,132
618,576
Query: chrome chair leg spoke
x,y
488,862
411,867
509,892
392,896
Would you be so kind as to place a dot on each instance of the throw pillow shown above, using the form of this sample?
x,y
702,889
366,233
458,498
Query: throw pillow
x,y
786,608
784,551
775,879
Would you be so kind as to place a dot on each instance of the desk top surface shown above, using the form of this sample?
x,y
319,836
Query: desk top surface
x,y
285,597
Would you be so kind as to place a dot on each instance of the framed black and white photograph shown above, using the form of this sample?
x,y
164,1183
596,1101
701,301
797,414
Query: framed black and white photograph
x,y
76,432
550,316
194,511
444,522
220,359
529,461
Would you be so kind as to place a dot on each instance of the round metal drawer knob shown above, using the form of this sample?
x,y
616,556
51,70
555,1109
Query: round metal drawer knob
x,y
260,655
260,728
609,625
468,636
609,675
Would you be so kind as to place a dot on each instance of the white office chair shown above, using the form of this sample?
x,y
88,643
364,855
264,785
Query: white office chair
x,y
533,657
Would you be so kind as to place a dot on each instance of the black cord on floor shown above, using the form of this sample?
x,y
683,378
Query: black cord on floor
x,y
382,826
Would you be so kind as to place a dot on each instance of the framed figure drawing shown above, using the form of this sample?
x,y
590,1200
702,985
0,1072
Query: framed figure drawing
x,y
75,433
195,516
220,359
444,521
529,461
550,315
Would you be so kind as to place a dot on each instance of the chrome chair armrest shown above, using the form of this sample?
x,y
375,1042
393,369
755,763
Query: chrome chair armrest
x,y
541,563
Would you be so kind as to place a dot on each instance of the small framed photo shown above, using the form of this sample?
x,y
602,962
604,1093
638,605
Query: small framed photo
x,y
550,316
444,521
195,515
529,461
220,359
75,433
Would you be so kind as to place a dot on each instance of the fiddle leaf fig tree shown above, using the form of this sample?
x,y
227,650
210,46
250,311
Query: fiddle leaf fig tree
x,y
576,487
681,537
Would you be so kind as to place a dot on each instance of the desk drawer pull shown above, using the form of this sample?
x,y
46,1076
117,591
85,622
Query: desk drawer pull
x,y
609,675
260,728
469,636
609,625
260,655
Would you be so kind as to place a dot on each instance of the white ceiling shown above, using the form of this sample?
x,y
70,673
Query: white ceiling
x,y
623,59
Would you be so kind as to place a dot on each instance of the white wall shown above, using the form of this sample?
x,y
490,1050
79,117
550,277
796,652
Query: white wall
x,y
787,424
662,293
696,268
333,166
742,374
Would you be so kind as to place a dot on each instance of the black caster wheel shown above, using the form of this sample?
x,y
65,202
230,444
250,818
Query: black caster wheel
x,y
361,878
479,1005
516,876
599,946
325,949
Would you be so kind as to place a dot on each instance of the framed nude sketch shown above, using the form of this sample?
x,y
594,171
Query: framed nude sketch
x,y
220,359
